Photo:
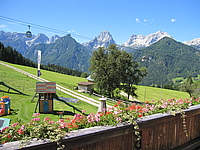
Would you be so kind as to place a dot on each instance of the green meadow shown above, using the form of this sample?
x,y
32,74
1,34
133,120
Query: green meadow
x,y
22,107
146,93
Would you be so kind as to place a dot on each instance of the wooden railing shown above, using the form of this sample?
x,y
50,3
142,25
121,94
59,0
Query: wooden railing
x,y
158,132
163,131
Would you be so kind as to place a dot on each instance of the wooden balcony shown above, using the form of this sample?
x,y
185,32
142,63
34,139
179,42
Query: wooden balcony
x,y
158,132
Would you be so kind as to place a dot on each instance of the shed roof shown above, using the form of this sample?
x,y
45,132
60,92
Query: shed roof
x,y
85,83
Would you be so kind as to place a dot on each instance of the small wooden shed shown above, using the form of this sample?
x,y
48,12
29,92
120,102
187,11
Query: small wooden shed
x,y
85,86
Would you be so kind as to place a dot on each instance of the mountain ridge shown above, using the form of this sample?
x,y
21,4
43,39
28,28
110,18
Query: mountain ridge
x,y
167,59
65,52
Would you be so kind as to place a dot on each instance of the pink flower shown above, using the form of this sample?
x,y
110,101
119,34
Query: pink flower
x,y
83,111
36,114
4,128
63,125
119,119
22,127
20,131
14,124
35,119
165,103
97,118
145,109
151,108
61,120
46,118
51,122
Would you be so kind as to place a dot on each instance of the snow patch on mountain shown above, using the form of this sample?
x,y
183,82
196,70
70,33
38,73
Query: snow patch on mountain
x,y
140,41
53,38
194,42
42,38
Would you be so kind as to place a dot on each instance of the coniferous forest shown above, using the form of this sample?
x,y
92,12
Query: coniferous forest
x,y
10,55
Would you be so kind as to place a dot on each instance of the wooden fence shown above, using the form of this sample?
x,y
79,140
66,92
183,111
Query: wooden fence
x,y
167,131
158,132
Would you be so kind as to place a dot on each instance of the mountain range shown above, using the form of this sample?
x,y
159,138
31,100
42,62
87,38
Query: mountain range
x,y
21,43
158,47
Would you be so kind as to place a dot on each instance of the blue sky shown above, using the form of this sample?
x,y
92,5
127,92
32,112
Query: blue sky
x,y
85,19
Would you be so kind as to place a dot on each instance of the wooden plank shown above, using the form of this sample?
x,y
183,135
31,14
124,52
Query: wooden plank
x,y
119,142
150,138
131,137
99,145
112,144
181,132
169,135
164,141
155,138
159,137
105,144
126,141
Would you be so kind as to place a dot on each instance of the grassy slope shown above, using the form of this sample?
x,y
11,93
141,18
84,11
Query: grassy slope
x,y
71,81
146,93
27,85
22,104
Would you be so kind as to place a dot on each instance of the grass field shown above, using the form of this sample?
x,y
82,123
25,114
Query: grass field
x,y
146,93
22,104
24,108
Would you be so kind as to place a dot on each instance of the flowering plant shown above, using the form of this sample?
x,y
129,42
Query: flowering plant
x,y
36,128
121,112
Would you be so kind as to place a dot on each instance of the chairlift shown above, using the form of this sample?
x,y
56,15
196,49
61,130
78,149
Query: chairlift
x,y
28,33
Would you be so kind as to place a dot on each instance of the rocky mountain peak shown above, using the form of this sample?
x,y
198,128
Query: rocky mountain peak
x,y
104,39
53,38
140,41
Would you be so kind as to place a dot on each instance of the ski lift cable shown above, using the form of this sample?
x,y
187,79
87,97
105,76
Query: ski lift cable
x,y
42,27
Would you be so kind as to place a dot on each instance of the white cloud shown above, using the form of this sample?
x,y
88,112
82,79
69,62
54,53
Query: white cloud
x,y
2,25
145,20
137,20
173,20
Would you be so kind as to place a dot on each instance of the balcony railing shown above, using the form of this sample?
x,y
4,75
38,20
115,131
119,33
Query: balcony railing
x,y
158,132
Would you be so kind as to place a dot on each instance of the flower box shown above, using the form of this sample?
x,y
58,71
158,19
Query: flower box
x,y
158,131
